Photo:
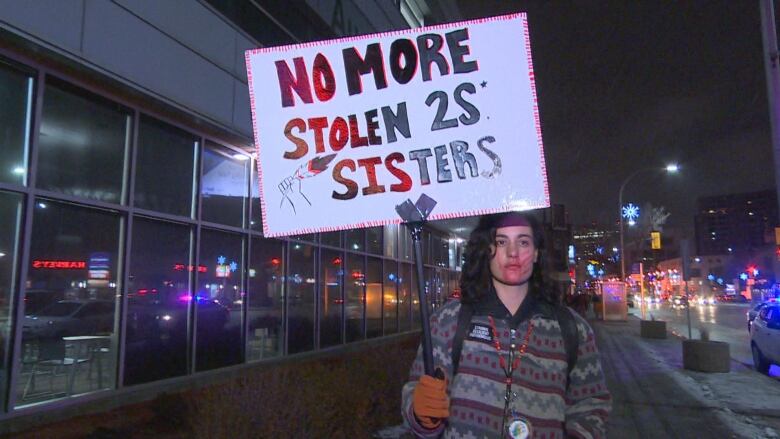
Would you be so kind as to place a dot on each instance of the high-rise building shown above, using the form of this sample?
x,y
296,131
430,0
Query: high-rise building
x,y
726,224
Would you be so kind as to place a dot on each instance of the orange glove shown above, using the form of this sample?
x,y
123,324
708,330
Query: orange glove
x,y
430,402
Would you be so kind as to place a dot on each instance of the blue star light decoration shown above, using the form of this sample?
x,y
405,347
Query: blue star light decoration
x,y
233,266
743,276
631,212
221,260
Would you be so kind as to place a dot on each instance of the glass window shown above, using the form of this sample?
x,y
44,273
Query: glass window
x,y
10,224
415,286
265,299
454,288
16,91
82,143
165,168
332,239
224,186
256,221
69,303
308,237
374,240
425,246
354,290
444,252
300,308
354,239
406,250
332,299
158,301
374,298
218,301
391,240
404,297
390,297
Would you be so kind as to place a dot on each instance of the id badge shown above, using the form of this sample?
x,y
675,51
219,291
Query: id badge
x,y
519,429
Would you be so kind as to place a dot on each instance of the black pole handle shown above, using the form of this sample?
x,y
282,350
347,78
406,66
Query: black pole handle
x,y
427,351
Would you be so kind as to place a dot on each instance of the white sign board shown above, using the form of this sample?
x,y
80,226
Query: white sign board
x,y
348,129
613,296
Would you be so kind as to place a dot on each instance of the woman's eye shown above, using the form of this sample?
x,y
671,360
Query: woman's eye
x,y
500,242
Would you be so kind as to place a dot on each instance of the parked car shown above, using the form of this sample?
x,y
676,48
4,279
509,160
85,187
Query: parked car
x,y
753,312
70,317
765,338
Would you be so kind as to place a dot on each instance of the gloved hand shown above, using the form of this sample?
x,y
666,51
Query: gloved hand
x,y
430,402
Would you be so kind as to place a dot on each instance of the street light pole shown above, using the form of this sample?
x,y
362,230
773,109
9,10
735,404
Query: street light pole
x,y
671,168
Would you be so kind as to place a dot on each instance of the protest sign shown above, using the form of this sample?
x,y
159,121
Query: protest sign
x,y
347,129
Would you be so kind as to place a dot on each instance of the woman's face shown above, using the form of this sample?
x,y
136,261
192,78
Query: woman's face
x,y
514,255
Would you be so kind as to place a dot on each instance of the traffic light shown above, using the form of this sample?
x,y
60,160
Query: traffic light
x,y
655,240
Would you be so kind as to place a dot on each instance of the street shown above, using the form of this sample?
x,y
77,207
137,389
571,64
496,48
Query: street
x,y
724,321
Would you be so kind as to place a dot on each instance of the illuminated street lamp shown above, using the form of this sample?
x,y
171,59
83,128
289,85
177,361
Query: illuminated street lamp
x,y
671,169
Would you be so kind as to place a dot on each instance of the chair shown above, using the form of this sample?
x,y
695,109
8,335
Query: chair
x,y
97,351
53,360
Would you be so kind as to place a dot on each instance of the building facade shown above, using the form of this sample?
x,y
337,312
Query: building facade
x,y
735,223
131,250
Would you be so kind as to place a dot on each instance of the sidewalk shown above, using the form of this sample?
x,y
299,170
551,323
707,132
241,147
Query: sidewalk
x,y
654,397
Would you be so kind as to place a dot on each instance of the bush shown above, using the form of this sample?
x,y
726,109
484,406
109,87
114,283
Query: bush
x,y
346,396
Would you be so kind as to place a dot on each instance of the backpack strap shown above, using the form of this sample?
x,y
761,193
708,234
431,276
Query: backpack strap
x,y
570,334
464,318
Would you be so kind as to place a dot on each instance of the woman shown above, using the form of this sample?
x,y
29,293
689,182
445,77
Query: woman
x,y
514,378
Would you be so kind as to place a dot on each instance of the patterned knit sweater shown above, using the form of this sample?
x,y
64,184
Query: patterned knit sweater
x,y
542,397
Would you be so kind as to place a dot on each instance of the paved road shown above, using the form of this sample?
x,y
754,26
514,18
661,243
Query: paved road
x,y
724,321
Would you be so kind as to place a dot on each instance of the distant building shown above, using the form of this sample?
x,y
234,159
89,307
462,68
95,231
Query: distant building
x,y
727,224
596,252
558,238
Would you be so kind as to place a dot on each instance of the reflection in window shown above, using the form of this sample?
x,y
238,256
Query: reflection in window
x,y
82,144
300,285
68,344
354,292
158,302
425,245
218,301
332,300
404,297
332,239
16,91
265,299
415,297
406,249
10,223
374,240
354,239
256,220
308,237
390,239
224,185
390,297
165,167
374,298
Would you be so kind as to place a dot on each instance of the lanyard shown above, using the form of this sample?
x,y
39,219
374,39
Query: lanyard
x,y
514,362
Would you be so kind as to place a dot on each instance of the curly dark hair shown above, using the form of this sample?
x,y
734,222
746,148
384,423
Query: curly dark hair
x,y
476,279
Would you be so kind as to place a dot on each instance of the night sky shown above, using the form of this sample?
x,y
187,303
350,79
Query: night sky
x,y
625,85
